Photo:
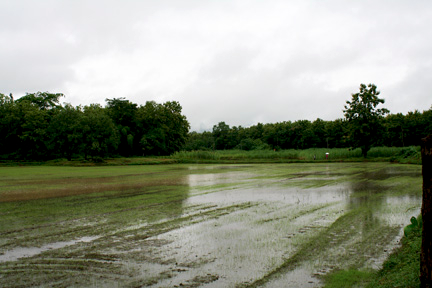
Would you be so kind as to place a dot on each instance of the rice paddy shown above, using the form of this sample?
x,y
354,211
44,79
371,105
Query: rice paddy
x,y
182,225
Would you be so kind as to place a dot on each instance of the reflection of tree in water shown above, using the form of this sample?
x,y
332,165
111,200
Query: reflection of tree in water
x,y
368,198
168,197
388,172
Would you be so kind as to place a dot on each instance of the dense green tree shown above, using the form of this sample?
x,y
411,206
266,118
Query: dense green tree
x,y
256,131
24,125
278,135
396,133
100,136
364,117
43,100
150,135
427,122
285,135
414,128
199,141
32,131
123,113
320,134
36,126
176,126
9,127
162,128
393,130
270,135
222,138
303,135
336,134
66,132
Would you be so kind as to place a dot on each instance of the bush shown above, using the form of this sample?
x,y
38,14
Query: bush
x,y
198,155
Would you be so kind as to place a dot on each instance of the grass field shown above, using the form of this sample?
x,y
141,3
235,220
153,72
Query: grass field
x,y
390,154
406,155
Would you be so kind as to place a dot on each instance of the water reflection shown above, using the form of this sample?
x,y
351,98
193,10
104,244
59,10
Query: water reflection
x,y
389,172
356,206
226,226
208,179
372,193
361,189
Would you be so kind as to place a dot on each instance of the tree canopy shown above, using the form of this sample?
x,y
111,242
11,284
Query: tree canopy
x,y
395,130
363,117
37,127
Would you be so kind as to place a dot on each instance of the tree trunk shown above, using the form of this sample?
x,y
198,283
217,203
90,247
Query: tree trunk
x,y
426,211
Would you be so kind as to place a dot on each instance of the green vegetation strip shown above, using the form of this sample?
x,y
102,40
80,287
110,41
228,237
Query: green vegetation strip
x,y
401,269
386,154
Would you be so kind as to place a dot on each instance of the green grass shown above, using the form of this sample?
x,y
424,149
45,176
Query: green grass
x,y
407,155
197,155
401,269
388,154
348,278
118,161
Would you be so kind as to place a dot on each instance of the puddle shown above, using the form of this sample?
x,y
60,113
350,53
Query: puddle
x,y
289,195
26,252
215,178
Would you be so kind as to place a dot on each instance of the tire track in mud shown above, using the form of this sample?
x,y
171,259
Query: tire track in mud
x,y
89,229
46,272
117,257
343,244
210,259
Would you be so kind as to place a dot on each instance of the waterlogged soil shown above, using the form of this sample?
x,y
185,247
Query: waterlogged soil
x,y
280,225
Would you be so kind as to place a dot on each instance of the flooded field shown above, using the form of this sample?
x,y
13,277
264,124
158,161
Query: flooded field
x,y
280,225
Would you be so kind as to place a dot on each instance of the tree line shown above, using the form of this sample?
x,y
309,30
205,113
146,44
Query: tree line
x,y
364,126
37,127
396,130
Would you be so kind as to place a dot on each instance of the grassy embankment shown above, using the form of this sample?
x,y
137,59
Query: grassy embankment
x,y
407,155
388,154
401,269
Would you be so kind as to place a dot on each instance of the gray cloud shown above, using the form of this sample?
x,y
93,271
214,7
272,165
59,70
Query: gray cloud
x,y
239,61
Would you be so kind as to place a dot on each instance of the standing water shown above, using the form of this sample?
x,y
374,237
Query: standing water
x,y
280,225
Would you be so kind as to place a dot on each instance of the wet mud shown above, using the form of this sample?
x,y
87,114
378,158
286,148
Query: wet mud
x,y
281,225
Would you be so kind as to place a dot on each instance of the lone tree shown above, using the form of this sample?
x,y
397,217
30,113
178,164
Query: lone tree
x,y
363,117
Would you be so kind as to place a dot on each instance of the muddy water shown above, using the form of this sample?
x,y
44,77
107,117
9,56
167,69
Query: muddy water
x,y
286,214
281,225
25,252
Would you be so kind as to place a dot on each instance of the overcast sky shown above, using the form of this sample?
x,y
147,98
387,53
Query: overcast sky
x,y
237,61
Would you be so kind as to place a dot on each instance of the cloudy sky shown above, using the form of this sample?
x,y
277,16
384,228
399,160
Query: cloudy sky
x,y
237,61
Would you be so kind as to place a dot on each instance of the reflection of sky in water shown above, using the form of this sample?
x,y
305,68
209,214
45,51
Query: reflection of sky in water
x,y
212,178
245,188
25,252
287,195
